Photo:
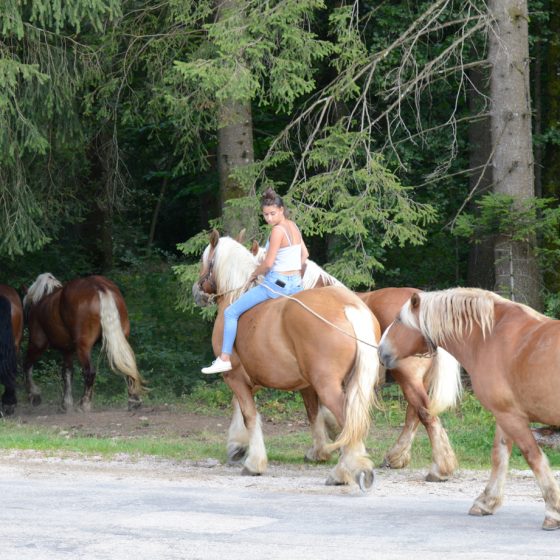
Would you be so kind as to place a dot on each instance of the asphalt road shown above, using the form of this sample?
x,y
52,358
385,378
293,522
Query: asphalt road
x,y
60,509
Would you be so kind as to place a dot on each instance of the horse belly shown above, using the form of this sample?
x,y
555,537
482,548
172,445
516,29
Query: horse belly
x,y
267,356
537,377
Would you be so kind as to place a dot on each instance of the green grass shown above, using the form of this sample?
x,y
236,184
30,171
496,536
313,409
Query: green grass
x,y
470,429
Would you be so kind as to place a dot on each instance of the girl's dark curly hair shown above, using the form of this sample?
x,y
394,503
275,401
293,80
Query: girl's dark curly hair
x,y
270,198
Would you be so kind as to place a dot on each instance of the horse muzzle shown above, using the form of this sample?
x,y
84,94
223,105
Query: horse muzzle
x,y
386,357
200,298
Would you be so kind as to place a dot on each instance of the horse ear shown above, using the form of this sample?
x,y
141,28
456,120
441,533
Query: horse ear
x,y
414,301
255,248
214,237
241,236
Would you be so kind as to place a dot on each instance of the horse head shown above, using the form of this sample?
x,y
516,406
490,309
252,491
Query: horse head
x,y
44,285
226,267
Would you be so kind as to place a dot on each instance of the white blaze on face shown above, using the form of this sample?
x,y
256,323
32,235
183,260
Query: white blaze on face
x,y
407,317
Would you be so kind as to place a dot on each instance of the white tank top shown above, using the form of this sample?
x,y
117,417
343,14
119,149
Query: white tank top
x,y
287,258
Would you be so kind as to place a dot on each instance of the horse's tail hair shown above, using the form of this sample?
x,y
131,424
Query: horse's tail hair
x,y
8,358
360,393
444,382
119,352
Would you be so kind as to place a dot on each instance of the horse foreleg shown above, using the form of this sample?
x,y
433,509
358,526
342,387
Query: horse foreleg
x,y
491,499
444,461
34,351
519,431
88,372
318,451
238,436
256,461
67,373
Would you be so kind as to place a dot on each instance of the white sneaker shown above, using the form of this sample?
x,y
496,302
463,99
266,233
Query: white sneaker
x,y
218,366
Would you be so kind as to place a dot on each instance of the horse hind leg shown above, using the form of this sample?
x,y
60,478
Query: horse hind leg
x,y
67,373
354,465
316,417
88,372
34,351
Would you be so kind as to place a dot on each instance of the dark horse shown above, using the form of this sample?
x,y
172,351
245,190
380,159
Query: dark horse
x,y
11,332
71,318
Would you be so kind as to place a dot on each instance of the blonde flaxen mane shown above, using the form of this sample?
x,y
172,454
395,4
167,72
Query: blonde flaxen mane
x,y
233,265
44,285
450,314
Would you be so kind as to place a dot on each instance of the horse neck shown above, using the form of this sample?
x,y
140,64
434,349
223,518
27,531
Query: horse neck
x,y
465,348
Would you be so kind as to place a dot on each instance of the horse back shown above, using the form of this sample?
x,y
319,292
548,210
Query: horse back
x,y
386,303
16,310
80,305
281,341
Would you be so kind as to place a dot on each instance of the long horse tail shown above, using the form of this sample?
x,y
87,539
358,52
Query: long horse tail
x,y
360,393
444,382
8,358
119,352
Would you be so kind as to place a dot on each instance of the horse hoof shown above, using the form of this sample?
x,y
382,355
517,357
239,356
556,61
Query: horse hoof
x,y
433,477
477,511
550,524
365,480
134,404
248,472
331,481
237,455
8,410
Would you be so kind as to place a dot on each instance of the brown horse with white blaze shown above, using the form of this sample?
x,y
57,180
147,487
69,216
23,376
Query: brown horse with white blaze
x,y
71,318
11,333
511,353
283,344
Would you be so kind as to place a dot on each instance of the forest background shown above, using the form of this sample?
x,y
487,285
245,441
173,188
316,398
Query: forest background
x,y
416,143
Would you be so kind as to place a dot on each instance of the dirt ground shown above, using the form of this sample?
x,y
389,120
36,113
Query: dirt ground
x,y
151,421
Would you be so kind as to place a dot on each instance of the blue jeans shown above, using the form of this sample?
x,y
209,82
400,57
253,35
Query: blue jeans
x,y
256,295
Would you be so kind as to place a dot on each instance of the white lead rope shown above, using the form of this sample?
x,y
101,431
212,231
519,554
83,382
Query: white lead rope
x,y
320,317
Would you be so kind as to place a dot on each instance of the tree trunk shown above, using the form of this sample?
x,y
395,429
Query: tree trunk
x,y
480,273
517,273
235,150
551,170
155,215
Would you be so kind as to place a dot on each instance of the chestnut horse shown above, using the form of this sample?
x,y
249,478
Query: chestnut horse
x,y
295,344
11,332
511,353
430,381
71,318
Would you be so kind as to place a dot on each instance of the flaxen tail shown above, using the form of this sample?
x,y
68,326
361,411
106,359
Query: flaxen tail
x,y
119,353
360,394
444,382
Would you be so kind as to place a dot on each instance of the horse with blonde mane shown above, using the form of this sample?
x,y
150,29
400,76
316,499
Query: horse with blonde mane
x,y
71,318
511,354
11,333
319,342
430,381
